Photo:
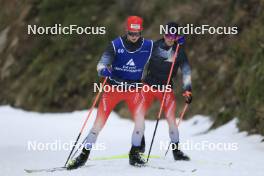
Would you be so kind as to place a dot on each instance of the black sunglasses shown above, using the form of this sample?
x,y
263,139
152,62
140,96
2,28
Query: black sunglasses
x,y
136,34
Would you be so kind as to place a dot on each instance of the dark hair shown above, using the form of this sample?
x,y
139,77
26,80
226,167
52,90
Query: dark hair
x,y
172,26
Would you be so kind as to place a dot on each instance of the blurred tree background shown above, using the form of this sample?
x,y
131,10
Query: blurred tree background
x,y
55,73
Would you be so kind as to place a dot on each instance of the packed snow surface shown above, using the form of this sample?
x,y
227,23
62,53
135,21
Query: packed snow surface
x,y
32,140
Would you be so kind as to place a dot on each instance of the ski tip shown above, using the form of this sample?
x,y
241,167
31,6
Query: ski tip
x,y
45,170
194,170
27,170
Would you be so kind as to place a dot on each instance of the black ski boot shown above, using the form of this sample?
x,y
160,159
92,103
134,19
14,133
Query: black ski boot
x,y
178,154
142,145
80,160
136,157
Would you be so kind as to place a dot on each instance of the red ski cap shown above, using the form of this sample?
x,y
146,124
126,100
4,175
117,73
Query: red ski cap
x,y
134,24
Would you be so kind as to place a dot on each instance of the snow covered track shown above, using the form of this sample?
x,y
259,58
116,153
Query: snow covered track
x,y
18,128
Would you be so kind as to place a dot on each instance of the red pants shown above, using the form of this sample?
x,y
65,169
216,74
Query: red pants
x,y
138,104
110,99
169,108
107,103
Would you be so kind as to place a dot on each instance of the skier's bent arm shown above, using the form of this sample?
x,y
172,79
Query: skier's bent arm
x,y
106,59
186,70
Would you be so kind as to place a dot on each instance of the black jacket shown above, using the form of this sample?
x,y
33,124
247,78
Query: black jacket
x,y
160,63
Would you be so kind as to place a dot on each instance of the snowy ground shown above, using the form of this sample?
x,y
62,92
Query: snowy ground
x,y
18,127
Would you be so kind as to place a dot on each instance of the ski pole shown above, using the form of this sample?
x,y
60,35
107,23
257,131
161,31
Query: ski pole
x,y
163,99
84,124
77,149
182,114
177,124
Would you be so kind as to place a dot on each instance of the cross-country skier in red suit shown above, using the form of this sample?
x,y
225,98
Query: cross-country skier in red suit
x,y
122,62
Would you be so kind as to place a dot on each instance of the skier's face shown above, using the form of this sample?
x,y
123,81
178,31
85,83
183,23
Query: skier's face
x,y
169,40
133,36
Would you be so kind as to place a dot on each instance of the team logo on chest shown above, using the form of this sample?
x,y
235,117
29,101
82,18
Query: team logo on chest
x,y
131,66
131,62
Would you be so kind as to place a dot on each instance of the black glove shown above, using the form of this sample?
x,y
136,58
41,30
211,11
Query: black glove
x,y
188,96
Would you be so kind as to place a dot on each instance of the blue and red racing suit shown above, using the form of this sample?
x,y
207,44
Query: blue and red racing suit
x,y
127,61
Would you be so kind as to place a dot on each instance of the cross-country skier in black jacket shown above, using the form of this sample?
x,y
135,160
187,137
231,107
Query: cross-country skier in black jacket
x,y
157,74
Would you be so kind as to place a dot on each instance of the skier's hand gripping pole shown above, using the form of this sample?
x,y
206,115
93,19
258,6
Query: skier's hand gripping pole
x,y
163,98
84,124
